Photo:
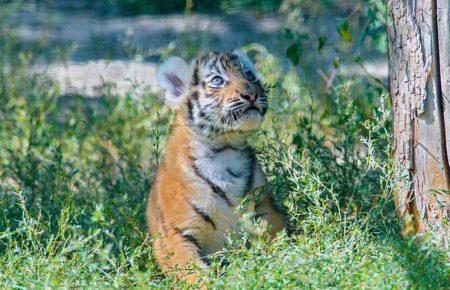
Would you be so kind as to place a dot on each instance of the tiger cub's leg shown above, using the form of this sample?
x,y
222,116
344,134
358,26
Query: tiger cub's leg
x,y
271,218
178,255
176,250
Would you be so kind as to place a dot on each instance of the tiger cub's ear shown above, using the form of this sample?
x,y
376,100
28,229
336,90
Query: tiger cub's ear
x,y
173,77
245,61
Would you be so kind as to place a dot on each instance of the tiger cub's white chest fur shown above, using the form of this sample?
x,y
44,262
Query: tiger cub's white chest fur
x,y
231,169
233,172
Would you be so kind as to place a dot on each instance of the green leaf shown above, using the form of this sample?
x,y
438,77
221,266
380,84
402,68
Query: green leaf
x,y
344,31
288,34
298,141
303,36
336,62
294,53
322,41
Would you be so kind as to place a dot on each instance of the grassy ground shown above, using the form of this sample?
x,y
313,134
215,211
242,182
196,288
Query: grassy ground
x,y
75,172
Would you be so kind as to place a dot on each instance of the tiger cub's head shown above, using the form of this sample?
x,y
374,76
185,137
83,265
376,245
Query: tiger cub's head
x,y
218,93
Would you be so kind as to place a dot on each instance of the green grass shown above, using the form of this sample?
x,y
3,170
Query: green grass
x,y
75,173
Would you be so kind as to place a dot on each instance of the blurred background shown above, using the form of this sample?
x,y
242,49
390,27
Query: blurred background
x,y
82,44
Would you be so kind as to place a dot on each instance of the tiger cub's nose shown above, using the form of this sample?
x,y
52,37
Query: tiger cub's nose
x,y
250,97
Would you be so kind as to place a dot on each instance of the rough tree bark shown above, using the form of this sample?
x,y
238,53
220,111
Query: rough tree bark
x,y
419,76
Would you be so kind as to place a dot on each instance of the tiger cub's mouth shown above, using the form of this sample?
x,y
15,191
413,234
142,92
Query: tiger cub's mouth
x,y
252,108
251,118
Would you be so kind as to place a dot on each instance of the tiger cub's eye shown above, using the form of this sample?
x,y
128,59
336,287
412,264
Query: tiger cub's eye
x,y
217,82
250,76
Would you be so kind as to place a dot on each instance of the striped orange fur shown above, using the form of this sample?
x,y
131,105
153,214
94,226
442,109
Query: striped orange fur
x,y
208,165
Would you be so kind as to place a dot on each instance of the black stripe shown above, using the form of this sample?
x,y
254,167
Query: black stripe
x,y
216,131
264,107
204,215
202,59
190,108
229,64
218,150
223,62
232,173
202,126
201,112
215,67
215,91
216,189
188,238
211,106
194,95
191,239
251,169
195,79
160,215
214,56
263,110
224,118
234,115
209,129
213,130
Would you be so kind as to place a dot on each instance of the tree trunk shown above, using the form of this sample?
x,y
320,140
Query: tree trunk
x,y
419,76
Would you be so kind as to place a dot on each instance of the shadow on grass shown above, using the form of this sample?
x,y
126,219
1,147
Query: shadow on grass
x,y
426,267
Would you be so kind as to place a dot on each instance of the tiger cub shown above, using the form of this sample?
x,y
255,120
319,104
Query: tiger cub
x,y
208,165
